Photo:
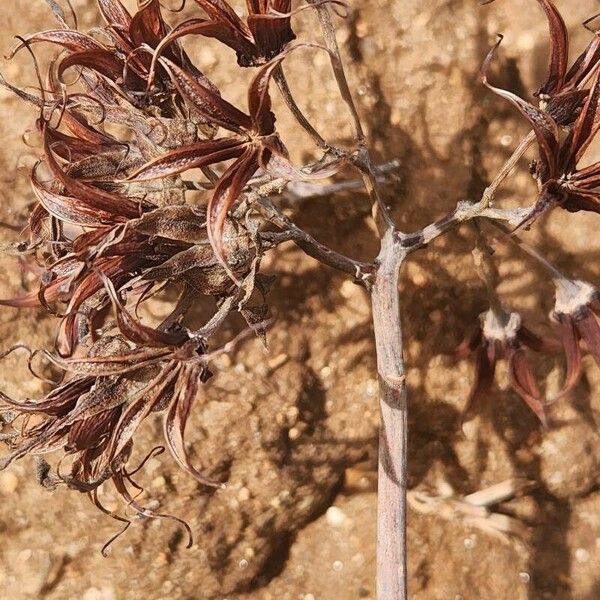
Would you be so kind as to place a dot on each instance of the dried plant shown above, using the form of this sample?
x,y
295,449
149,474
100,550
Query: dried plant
x,y
124,114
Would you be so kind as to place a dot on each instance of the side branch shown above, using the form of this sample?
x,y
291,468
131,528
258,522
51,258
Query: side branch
x,y
362,272
465,211
362,160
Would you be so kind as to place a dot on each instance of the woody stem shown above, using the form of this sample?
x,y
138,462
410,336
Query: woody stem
x,y
392,477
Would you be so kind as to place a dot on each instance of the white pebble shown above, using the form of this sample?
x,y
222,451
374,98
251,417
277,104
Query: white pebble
x,y
582,555
335,516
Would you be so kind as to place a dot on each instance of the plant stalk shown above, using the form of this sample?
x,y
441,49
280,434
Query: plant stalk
x,y
392,476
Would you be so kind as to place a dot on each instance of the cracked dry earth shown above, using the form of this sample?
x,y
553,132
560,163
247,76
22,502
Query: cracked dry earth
x,y
294,430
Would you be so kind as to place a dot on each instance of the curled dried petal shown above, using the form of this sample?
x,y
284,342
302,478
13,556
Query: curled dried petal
x,y
226,192
523,381
176,420
199,154
559,39
485,368
570,338
589,329
546,131
205,100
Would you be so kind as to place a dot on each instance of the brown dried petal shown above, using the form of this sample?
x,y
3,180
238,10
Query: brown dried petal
x,y
585,64
176,419
570,339
140,407
589,329
148,26
545,128
585,127
74,41
207,102
117,205
219,30
99,366
88,433
271,32
115,14
226,192
199,154
69,209
559,40
219,10
523,381
135,331
485,368
57,403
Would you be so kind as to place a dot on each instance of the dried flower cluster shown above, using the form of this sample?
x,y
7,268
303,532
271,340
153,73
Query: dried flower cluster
x,y
125,115
115,222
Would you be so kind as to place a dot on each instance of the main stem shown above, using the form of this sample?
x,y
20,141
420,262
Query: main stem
x,y
392,476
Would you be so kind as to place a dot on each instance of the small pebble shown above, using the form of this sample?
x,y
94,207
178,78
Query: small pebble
x,y
582,555
338,565
243,494
524,576
159,482
335,516
25,555
8,483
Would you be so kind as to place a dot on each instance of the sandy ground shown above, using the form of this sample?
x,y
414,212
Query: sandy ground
x,y
295,430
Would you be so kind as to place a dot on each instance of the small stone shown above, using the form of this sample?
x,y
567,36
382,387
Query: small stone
x,y
582,555
525,577
337,566
469,543
94,593
335,516
294,433
8,483
326,371
243,494
159,482
348,289
161,559
25,555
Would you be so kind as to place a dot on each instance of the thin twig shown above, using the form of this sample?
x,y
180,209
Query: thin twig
x,y
362,272
362,159
282,83
466,211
